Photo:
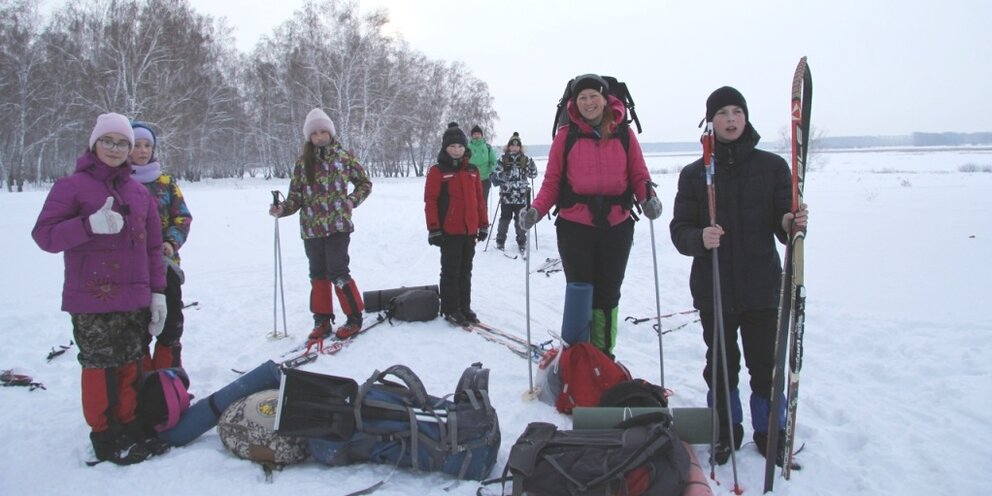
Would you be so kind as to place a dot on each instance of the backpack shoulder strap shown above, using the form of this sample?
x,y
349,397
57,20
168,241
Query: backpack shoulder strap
x,y
527,449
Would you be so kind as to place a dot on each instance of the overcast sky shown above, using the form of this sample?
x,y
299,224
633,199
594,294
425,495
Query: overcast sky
x,y
879,67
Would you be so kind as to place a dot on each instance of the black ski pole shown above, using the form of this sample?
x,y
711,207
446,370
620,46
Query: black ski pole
x,y
530,195
719,337
491,225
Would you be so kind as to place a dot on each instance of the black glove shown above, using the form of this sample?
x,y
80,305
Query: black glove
x,y
483,234
435,237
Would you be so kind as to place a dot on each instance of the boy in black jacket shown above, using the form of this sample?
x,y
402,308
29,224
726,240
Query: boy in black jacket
x,y
753,201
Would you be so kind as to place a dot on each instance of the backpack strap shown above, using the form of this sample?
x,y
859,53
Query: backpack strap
x,y
599,205
654,437
474,383
176,398
527,449
416,393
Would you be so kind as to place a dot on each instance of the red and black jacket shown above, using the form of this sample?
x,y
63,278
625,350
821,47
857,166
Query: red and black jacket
x,y
453,201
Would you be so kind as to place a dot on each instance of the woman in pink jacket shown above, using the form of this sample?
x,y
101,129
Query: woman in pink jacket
x,y
107,226
594,185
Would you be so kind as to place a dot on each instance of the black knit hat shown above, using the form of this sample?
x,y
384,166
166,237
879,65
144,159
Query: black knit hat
x,y
477,129
721,98
589,81
453,135
514,140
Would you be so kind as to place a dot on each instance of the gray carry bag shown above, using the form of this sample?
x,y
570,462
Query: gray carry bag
x,y
414,305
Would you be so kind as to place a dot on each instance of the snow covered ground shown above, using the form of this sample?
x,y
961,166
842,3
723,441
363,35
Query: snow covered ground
x,y
895,388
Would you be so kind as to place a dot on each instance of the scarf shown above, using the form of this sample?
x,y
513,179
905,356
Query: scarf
x,y
146,173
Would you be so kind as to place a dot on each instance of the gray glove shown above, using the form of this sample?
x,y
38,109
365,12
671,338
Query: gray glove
x,y
529,219
651,207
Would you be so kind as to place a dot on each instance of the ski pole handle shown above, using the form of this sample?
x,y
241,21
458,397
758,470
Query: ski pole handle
x,y
275,197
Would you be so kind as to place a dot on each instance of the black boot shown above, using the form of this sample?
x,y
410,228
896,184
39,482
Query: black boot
x,y
136,431
761,441
456,318
723,446
470,316
116,447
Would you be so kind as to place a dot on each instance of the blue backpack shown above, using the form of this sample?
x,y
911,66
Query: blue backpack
x,y
395,423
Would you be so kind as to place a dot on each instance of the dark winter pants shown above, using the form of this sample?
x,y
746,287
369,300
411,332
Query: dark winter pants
x,y
487,183
328,256
457,253
508,213
597,256
110,347
167,353
757,329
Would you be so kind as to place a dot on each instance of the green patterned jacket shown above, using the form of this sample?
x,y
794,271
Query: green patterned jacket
x,y
325,206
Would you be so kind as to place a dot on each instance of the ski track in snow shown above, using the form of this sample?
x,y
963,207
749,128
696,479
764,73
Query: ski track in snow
x,y
897,368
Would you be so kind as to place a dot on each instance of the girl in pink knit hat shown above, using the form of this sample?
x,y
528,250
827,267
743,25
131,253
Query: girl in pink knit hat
x,y
319,191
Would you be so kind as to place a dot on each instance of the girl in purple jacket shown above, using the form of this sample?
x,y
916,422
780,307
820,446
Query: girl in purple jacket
x,y
594,188
107,227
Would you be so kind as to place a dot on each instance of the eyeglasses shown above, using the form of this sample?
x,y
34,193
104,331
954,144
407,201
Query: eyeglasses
x,y
111,145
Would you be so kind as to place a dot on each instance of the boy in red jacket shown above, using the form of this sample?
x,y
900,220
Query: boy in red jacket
x,y
456,219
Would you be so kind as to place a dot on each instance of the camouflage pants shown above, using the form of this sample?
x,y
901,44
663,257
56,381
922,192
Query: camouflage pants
x,y
111,339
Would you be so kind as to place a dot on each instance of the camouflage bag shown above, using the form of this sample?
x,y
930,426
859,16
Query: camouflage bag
x,y
247,428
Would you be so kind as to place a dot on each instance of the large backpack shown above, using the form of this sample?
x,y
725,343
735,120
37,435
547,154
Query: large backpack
x,y
396,423
566,196
615,88
642,456
586,372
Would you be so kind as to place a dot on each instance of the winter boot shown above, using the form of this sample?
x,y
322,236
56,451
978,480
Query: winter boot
x,y
724,444
456,318
322,325
116,447
761,441
470,316
500,246
155,446
761,408
350,328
